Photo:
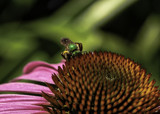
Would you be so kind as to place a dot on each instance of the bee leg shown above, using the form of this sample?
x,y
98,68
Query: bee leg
x,y
66,55
62,54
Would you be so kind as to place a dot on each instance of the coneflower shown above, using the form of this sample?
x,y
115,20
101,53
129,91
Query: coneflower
x,y
94,82
102,82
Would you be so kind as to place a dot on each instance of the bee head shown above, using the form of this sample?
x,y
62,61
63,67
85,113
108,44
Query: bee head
x,y
66,41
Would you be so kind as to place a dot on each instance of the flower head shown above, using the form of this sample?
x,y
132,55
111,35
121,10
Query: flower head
x,y
95,82
101,82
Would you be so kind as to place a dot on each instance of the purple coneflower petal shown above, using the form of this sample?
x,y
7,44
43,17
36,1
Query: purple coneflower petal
x,y
39,71
24,112
41,76
38,64
18,106
4,98
27,104
23,87
13,103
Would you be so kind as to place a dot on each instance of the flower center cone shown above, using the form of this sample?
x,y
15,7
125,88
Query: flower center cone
x,y
102,82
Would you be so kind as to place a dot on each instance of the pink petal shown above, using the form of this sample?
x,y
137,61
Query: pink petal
x,y
25,112
13,102
59,64
41,76
18,97
25,104
18,106
23,87
39,71
33,65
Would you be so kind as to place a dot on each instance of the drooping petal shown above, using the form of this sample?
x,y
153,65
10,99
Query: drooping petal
x,y
39,64
24,112
18,106
4,98
23,87
27,104
39,71
41,76
14,102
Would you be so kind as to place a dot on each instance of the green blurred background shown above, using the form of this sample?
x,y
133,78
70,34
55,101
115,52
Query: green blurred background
x,y
31,30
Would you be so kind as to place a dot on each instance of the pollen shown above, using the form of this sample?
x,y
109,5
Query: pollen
x,y
102,82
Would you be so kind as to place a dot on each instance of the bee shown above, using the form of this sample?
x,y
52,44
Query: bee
x,y
71,48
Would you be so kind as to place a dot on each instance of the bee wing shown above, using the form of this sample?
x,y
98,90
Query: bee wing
x,y
80,47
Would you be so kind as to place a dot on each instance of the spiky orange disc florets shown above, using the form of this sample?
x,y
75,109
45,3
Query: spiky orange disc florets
x,y
102,82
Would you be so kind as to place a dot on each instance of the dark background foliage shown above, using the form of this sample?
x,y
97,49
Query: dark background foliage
x,y
31,30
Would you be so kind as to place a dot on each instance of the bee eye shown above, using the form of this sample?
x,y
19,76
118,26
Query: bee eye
x,y
65,41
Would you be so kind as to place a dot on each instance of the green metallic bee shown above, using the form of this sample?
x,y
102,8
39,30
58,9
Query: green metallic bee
x,y
71,48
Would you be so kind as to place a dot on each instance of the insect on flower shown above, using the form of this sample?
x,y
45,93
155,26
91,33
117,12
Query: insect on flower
x,y
71,48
